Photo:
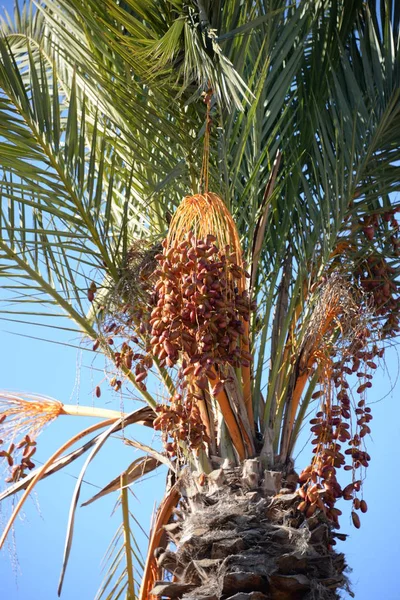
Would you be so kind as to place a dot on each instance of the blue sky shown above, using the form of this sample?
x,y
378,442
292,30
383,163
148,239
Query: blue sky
x,y
30,565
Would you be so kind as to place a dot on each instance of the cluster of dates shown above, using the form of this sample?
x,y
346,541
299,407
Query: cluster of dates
x,y
376,278
198,321
375,275
180,421
372,222
131,355
333,427
127,310
26,448
143,362
376,272
126,331
200,310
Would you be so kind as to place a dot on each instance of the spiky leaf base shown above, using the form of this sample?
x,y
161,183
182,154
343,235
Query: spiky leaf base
x,y
238,538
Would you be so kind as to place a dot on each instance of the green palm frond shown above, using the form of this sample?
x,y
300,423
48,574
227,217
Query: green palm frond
x,y
123,552
176,51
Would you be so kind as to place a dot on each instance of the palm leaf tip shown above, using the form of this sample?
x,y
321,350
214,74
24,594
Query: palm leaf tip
x,y
136,470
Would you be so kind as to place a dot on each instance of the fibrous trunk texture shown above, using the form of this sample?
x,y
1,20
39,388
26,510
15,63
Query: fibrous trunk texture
x,y
238,536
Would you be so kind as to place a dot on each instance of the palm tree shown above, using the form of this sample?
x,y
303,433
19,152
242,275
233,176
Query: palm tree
x,y
205,190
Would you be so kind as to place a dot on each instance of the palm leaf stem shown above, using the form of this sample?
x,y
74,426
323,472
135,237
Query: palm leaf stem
x,y
279,367
91,411
127,537
163,515
230,419
246,378
302,411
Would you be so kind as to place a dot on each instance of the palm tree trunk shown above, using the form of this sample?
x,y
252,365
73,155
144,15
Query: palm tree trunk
x,y
239,536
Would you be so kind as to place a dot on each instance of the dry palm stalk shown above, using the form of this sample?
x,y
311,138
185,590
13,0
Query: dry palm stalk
x,y
335,301
164,514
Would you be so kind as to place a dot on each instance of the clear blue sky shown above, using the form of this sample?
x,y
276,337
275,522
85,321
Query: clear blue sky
x,y
29,570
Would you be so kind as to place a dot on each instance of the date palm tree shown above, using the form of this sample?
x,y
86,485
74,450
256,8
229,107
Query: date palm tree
x,y
205,190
